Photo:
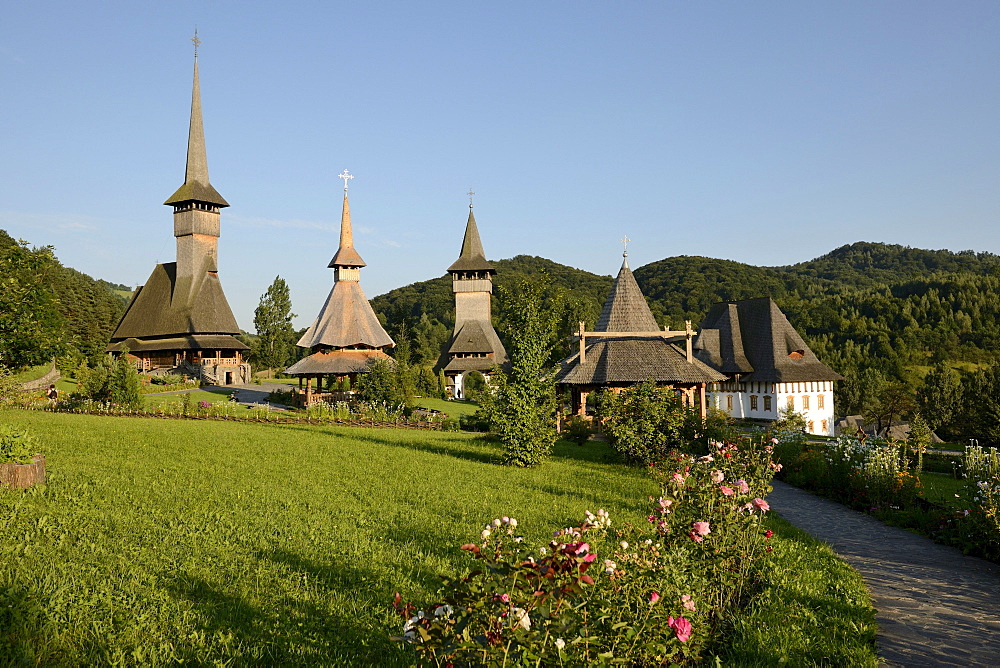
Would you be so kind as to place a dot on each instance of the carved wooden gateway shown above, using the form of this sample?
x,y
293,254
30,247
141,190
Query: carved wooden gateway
x,y
627,347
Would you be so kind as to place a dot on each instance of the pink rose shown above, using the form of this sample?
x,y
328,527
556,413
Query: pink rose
x,y
654,597
678,478
762,505
742,486
688,603
681,627
718,476
695,537
701,528
590,557
774,440
728,491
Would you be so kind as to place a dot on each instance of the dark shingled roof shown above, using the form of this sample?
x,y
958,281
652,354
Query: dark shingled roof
x,y
472,257
754,339
631,360
338,362
163,308
189,342
636,360
625,309
346,319
464,364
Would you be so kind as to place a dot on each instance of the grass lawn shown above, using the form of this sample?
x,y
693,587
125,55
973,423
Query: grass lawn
x,y
815,610
32,373
450,408
211,396
165,541
941,488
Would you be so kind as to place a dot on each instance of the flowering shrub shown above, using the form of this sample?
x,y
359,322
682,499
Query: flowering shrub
x,y
982,475
867,475
644,594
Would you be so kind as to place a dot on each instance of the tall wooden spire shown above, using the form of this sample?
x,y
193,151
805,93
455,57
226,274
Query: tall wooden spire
x,y
196,185
346,257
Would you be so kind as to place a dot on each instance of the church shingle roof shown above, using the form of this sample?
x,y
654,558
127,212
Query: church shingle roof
x,y
472,257
346,319
163,308
754,339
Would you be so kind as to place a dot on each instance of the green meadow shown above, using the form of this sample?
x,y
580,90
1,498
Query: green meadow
x,y
162,541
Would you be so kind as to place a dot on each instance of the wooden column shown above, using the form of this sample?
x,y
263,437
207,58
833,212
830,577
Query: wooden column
x,y
309,390
583,403
703,409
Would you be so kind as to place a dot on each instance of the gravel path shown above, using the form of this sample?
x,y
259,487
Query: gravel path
x,y
936,606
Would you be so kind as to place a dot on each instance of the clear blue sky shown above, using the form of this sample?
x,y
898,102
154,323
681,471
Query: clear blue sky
x,y
763,132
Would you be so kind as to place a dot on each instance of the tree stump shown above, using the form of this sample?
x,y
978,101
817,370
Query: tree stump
x,y
23,476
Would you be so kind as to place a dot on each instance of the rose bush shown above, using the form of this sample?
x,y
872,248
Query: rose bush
x,y
646,593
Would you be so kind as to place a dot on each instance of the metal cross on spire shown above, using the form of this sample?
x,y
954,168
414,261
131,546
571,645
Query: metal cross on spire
x,y
625,241
347,176
196,42
470,194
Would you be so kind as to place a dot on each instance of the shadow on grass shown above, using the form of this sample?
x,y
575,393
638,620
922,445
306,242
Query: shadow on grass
x,y
481,451
27,638
290,631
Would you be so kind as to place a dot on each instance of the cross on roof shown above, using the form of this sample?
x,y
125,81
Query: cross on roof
x,y
625,241
470,194
196,42
347,176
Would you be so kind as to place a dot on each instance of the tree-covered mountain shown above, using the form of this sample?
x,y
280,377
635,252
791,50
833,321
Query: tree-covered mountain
x,y
51,309
866,305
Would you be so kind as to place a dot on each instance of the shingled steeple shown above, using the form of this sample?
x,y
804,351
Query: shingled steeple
x,y
196,186
472,257
625,309
347,334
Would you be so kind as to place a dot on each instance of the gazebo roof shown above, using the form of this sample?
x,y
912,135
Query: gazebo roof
x,y
634,360
346,319
335,362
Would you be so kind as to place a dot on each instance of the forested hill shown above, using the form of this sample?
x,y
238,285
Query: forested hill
x,y
47,309
863,305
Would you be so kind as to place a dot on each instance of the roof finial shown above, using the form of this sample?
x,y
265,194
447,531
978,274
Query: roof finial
x,y
347,176
625,241
470,194
196,42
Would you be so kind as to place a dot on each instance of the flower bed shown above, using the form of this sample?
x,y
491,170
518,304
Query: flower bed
x,y
652,591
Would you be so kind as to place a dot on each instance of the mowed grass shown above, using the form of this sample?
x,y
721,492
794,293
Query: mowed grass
x,y
451,408
814,610
208,542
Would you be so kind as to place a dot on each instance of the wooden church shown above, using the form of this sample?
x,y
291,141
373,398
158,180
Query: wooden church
x,y
474,344
346,335
179,321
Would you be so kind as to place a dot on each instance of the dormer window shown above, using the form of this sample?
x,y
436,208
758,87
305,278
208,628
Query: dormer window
x,y
797,354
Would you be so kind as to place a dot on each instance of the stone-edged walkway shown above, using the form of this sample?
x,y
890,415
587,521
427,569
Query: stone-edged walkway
x,y
935,606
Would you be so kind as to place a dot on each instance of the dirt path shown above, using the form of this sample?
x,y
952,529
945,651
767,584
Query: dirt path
x,y
936,606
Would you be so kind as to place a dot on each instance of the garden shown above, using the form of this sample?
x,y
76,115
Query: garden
x,y
229,542
953,500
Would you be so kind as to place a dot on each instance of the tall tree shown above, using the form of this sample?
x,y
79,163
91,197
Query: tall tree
x,y
940,395
273,321
520,403
30,322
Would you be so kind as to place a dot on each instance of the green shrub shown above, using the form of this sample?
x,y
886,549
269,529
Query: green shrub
x,y
644,423
578,429
16,446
